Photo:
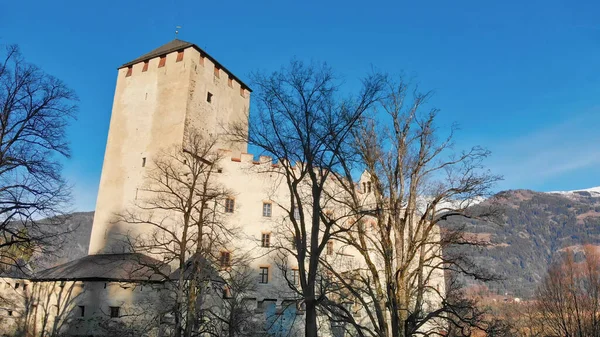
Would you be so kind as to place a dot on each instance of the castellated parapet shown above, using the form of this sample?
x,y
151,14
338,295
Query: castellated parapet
x,y
157,98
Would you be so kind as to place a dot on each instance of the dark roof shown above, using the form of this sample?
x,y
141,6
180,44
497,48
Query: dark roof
x,y
176,45
110,267
208,272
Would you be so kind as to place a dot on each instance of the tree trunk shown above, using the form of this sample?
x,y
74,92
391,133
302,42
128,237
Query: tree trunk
x,y
311,316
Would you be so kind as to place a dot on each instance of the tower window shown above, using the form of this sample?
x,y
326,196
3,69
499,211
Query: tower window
x,y
217,72
264,275
225,259
266,240
209,96
242,92
266,211
145,68
163,61
202,59
144,162
129,71
229,205
230,82
329,247
10,312
295,277
179,56
114,312
368,186
81,311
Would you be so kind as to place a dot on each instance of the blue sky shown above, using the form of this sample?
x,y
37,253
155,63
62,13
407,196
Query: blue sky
x,y
521,78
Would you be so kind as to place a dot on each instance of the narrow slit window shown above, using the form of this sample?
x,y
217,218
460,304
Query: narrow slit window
x,y
209,97
145,68
144,162
162,61
369,187
81,311
129,71
179,56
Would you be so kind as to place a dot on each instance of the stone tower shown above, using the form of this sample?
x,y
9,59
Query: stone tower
x,y
158,97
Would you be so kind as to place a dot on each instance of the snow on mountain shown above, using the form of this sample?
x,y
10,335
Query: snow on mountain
x,y
593,190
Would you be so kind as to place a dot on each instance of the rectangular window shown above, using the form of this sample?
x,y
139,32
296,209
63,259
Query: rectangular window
x,y
225,259
81,311
129,71
114,312
162,61
209,97
295,277
296,213
368,187
329,247
267,209
229,205
145,68
17,285
230,82
266,240
143,161
179,56
264,275
217,72
9,312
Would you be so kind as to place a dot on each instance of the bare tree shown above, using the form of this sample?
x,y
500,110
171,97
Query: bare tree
x,y
413,180
35,109
180,207
302,122
568,300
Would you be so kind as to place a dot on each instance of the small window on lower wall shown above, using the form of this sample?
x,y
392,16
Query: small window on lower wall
x,y
114,312
81,311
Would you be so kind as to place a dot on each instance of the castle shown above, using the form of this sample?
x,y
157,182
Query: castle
x,y
159,98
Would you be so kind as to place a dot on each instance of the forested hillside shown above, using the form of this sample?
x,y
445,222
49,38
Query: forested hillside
x,y
535,228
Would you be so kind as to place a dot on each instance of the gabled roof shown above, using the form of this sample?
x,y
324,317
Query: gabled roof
x,y
111,267
176,45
